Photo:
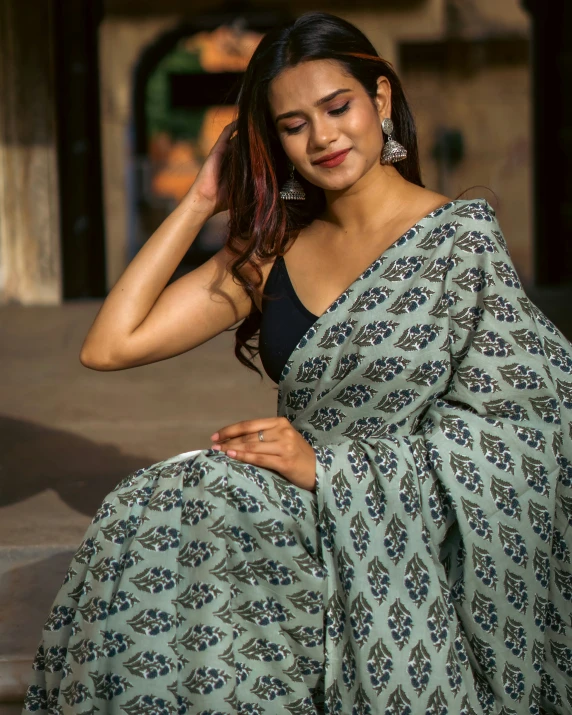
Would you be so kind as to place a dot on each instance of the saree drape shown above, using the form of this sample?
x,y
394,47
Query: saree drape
x,y
430,572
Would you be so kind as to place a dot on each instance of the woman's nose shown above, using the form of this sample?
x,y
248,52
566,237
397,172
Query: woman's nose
x,y
322,134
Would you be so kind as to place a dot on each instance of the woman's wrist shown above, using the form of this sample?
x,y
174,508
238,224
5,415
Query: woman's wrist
x,y
193,201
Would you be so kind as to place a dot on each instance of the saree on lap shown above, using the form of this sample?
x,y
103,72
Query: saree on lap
x,y
430,571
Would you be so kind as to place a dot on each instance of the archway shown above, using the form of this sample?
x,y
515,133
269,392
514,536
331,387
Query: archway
x,y
185,89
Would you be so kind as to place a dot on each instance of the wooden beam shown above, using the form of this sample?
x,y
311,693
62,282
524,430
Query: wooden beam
x,y
30,270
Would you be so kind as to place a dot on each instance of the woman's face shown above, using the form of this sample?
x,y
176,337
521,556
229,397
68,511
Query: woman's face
x,y
314,128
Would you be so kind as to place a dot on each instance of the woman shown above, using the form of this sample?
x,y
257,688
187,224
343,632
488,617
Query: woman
x,y
395,540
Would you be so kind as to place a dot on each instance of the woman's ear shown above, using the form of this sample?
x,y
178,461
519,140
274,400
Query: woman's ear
x,y
383,97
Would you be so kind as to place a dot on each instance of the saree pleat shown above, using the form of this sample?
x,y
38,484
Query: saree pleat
x,y
437,398
196,589
429,572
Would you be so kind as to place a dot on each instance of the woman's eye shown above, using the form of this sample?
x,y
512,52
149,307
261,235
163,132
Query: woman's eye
x,y
294,130
335,112
340,110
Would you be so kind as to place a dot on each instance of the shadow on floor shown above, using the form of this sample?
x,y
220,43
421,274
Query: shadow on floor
x,y
34,457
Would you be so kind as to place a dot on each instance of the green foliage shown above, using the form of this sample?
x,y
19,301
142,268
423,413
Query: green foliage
x,y
161,117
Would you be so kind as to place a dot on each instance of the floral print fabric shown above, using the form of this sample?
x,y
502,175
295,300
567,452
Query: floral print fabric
x,y
430,572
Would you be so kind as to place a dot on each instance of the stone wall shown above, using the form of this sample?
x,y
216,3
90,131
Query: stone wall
x,y
491,108
489,105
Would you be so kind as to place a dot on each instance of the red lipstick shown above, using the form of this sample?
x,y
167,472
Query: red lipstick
x,y
332,159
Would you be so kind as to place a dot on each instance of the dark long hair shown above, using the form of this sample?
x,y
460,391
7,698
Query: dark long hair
x,y
256,166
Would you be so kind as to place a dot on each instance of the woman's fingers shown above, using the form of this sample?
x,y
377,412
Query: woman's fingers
x,y
228,127
241,441
252,438
282,450
246,427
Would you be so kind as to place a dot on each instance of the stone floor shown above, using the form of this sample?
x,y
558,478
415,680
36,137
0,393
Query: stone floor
x,y
10,709
68,435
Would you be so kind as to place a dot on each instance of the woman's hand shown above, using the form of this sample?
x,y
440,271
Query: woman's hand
x,y
209,187
284,450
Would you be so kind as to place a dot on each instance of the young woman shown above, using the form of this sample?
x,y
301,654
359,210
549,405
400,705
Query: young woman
x,y
396,540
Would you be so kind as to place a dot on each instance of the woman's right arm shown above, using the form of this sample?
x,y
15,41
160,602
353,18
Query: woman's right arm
x,y
142,320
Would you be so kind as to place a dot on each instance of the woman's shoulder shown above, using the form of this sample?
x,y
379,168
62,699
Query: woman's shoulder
x,y
463,209
478,210
476,227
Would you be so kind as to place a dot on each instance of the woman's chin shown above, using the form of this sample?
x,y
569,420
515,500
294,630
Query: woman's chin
x,y
343,185
340,182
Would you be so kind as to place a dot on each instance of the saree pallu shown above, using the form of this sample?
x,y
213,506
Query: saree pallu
x,y
430,571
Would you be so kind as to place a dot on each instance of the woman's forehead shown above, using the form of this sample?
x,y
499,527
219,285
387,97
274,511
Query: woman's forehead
x,y
306,84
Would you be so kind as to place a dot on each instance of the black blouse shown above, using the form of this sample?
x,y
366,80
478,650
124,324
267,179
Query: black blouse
x,y
284,321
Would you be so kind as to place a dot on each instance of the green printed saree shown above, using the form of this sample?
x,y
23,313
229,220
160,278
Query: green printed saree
x,y
429,573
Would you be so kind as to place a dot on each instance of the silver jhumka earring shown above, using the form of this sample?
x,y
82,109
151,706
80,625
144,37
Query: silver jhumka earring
x,y
292,189
392,151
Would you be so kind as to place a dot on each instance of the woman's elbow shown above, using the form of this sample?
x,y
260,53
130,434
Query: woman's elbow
x,y
97,360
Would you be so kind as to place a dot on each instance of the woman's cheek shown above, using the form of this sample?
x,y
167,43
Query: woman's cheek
x,y
360,127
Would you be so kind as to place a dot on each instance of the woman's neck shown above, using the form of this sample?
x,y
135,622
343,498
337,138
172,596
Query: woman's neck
x,y
378,197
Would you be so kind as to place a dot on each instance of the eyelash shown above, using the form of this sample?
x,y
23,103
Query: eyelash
x,y
335,112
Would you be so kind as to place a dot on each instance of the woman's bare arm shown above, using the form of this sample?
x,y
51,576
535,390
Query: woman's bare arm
x,y
141,321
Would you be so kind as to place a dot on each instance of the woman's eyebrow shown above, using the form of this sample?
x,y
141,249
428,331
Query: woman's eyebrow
x,y
316,104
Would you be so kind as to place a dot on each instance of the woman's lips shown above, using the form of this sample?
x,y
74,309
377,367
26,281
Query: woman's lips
x,y
335,161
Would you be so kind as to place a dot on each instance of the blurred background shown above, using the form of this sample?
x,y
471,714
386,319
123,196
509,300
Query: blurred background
x,y
110,106
107,110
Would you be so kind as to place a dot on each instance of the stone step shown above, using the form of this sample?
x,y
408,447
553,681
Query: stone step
x,y
11,708
38,538
14,674
30,577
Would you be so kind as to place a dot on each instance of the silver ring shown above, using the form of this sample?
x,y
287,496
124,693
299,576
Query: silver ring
x,y
260,435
